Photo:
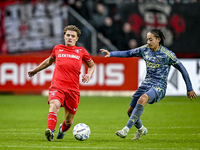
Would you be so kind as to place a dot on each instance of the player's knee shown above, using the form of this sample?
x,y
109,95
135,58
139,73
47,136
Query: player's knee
x,y
143,100
54,106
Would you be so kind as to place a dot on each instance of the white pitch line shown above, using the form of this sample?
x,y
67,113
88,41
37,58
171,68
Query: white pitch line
x,y
194,134
177,127
68,147
28,133
19,133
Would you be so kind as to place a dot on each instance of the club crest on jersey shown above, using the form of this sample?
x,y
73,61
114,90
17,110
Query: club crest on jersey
x,y
53,93
77,50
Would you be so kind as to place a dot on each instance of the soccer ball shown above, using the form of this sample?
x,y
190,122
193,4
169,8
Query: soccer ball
x,y
81,131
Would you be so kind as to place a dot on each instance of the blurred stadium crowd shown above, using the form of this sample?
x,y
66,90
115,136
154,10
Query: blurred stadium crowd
x,y
113,30
105,16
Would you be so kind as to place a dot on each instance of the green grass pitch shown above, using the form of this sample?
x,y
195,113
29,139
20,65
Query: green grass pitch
x,y
173,123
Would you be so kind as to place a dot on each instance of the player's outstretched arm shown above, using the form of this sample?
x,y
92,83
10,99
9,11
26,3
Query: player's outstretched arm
x,y
191,95
46,63
105,51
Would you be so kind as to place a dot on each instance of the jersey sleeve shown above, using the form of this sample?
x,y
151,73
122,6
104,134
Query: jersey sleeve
x,y
137,52
53,55
178,65
86,56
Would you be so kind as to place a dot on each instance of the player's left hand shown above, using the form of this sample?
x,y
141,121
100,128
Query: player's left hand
x,y
86,78
191,95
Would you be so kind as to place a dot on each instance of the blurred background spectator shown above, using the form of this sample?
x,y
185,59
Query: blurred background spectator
x,y
99,15
108,30
125,36
34,26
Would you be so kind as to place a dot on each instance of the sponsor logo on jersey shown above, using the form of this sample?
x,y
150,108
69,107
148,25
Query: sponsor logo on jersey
x,y
152,65
69,56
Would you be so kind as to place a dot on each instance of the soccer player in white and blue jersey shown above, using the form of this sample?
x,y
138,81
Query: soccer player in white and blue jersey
x,y
158,62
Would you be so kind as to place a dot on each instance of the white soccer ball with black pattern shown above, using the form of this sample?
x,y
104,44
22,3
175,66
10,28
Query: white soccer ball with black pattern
x,y
81,131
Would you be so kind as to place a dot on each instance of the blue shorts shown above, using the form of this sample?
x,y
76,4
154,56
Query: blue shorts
x,y
155,94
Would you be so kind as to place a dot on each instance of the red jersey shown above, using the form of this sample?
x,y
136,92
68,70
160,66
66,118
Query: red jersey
x,y
67,66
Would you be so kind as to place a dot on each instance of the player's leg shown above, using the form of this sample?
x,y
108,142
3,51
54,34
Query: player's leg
x,y
52,118
136,113
138,110
53,111
153,97
135,116
69,118
141,130
129,111
138,124
71,104
67,123
140,91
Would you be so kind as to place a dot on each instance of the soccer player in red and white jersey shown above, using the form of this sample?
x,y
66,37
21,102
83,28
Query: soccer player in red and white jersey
x,y
64,88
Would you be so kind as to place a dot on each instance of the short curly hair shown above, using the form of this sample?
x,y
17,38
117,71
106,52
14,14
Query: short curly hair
x,y
72,28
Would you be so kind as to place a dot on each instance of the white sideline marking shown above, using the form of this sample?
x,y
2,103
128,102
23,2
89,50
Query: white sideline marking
x,y
114,134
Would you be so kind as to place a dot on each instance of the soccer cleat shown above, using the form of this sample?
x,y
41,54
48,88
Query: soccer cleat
x,y
140,133
60,134
122,133
49,135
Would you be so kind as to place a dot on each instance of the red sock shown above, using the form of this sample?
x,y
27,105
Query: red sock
x,y
65,127
52,120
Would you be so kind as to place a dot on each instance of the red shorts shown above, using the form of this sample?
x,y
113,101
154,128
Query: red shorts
x,y
68,99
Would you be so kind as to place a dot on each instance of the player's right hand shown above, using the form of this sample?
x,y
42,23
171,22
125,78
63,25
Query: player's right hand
x,y
31,73
105,51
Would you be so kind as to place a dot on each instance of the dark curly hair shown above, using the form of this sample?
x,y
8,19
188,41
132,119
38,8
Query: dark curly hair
x,y
158,34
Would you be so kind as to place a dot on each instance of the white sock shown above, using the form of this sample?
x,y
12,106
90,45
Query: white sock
x,y
126,129
141,128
